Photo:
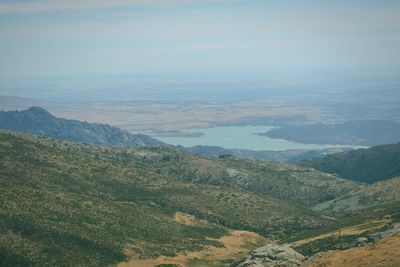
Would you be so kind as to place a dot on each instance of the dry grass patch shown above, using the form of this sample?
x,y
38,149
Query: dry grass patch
x,y
385,253
187,219
237,246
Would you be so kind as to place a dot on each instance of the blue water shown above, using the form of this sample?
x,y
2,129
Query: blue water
x,y
241,137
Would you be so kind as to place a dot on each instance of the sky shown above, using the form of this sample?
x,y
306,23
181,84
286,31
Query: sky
x,y
57,38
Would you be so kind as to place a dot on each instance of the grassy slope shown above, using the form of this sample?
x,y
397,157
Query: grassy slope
x,y
289,182
63,203
343,234
376,194
364,165
286,181
384,253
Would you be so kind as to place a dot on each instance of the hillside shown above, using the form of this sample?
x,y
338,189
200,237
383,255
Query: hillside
x,y
363,133
288,182
286,156
74,204
376,194
364,165
384,253
38,121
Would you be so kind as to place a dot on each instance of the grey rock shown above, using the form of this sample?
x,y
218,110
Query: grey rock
x,y
362,241
393,230
273,255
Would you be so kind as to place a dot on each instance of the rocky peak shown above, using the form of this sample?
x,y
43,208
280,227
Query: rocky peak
x,y
38,111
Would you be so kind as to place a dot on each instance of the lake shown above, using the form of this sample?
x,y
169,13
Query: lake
x,y
240,137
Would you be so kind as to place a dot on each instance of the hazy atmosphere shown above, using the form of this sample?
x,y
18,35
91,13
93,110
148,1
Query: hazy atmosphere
x,y
178,38
196,133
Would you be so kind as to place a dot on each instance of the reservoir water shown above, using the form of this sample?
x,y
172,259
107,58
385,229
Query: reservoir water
x,y
241,137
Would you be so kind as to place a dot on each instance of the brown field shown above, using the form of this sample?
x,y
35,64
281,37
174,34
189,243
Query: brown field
x,y
385,253
238,245
149,115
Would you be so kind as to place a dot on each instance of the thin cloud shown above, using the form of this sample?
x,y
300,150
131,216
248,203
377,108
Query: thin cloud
x,y
40,6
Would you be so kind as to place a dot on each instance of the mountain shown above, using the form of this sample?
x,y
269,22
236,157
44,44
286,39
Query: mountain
x,y
376,194
38,121
64,203
364,165
362,133
287,182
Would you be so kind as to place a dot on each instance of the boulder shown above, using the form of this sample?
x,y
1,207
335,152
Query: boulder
x,y
362,241
274,255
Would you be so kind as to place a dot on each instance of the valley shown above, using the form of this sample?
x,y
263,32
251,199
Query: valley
x,y
161,206
82,183
199,133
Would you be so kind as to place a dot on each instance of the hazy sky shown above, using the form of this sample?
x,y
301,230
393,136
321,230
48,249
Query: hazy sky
x,y
69,37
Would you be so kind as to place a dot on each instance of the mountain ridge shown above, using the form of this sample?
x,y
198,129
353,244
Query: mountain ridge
x,y
368,165
38,121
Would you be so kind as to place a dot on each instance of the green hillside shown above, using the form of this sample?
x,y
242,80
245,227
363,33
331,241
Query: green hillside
x,y
364,165
286,156
376,194
285,181
38,121
74,204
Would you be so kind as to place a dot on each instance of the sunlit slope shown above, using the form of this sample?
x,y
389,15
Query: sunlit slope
x,y
384,253
302,185
376,194
67,204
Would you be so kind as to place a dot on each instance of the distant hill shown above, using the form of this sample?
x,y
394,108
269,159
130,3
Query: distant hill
x,y
286,156
39,121
364,133
364,165
376,194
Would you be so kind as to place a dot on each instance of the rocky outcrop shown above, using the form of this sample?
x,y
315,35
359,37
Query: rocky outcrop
x,y
273,255
394,229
